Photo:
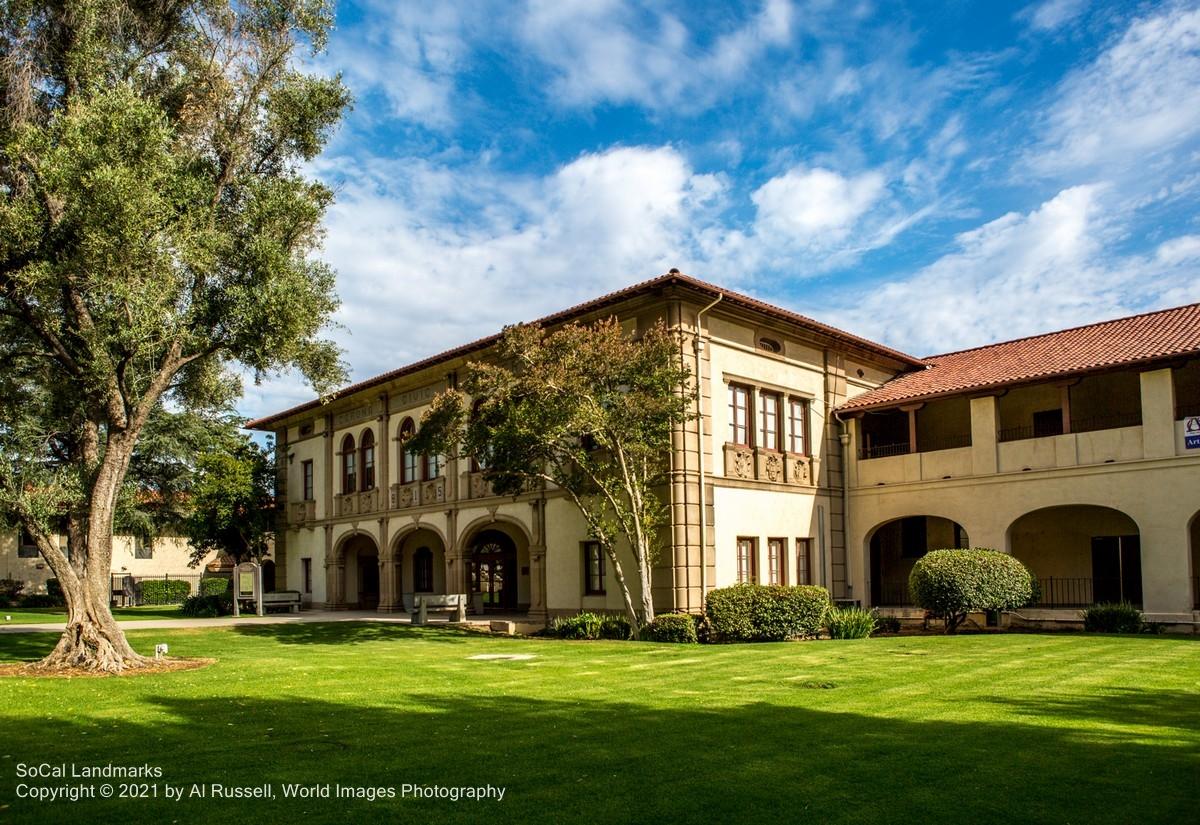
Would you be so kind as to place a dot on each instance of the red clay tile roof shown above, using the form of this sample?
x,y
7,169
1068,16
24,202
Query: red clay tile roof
x,y
1153,336
674,277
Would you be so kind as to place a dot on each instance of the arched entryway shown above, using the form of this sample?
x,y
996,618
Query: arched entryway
x,y
497,558
1194,538
362,572
896,545
268,576
420,565
1081,554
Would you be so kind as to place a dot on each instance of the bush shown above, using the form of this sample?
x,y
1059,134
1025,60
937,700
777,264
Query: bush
x,y
55,592
766,613
580,626
39,600
207,606
949,584
164,591
887,624
10,591
679,628
1119,617
615,627
850,623
215,586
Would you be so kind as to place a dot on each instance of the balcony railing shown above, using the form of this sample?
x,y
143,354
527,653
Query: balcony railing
x,y
943,442
1078,425
1058,592
883,450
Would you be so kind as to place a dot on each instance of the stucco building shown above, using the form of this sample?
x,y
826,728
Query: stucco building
x,y
823,458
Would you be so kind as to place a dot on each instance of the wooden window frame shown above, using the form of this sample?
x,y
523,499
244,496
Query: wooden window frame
x,y
593,582
426,462
777,572
366,453
747,563
349,456
798,433
747,427
308,480
410,462
770,402
804,561
26,546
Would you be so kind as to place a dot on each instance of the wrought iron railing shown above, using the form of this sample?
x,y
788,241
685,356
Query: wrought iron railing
x,y
943,442
1106,422
1069,592
894,594
883,450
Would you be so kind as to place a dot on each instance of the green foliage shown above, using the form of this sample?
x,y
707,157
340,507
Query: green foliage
x,y
54,591
679,628
949,584
1112,617
588,408
40,600
207,605
580,626
850,623
766,613
232,508
887,624
10,591
164,591
615,627
215,586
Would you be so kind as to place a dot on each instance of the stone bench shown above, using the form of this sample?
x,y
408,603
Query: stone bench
x,y
282,598
455,603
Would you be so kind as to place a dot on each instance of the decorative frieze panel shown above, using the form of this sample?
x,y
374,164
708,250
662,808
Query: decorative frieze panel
x,y
753,464
410,495
302,512
434,492
345,505
404,495
476,485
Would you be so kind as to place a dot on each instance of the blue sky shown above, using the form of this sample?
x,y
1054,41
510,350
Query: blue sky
x,y
931,175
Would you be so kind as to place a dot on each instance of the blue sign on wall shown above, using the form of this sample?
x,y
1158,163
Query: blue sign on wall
x,y
1191,433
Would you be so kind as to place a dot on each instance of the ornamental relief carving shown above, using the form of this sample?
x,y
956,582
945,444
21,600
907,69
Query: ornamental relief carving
x,y
743,464
773,468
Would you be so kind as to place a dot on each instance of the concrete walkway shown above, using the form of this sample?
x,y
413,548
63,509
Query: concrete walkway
x,y
228,621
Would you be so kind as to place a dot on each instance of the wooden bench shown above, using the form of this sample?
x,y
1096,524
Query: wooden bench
x,y
455,603
282,598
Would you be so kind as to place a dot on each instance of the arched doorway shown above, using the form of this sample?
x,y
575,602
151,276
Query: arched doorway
x,y
421,565
362,572
1081,554
493,570
896,545
268,576
1194,537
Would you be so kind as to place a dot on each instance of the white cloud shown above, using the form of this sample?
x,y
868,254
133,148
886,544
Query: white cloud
x,y
1023,274
1138,100
612,51
1052,14
815,206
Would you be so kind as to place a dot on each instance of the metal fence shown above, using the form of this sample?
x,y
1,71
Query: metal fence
x,y
1056,592
129,591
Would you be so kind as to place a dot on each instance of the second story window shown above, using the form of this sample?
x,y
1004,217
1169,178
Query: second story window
x,y
368,460
768,411
593,569
349,465
798,426
306,470
408,459
433,466
739,415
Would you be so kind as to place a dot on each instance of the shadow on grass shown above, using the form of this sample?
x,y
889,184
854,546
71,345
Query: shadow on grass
x,y
341,633
1114,706
615,761
27,646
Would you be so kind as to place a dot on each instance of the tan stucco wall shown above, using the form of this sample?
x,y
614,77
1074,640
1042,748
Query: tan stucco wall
x,y
171,557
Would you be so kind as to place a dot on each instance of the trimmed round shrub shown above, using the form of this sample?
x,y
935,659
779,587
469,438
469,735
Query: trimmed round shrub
x,y
766,613
164,591
206,606
215,586
949,584
850,623
1109,617
678,628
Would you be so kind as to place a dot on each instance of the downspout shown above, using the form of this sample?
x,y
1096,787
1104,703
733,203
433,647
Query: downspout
x,y
844,439
698,346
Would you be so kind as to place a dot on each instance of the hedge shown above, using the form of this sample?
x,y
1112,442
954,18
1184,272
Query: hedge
x,y
679,628
207,606
164,591
766,613
949,584
1107,617
215,586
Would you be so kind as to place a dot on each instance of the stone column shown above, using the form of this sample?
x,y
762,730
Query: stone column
x,y
387,579
335,575
984,427
537,563
1158,413
383,458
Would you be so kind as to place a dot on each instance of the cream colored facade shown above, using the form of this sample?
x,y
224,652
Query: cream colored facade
x,y
165,556
819,509
1106,513
372,548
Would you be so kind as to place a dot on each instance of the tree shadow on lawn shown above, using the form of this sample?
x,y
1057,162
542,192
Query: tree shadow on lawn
x,y
341,633
27,646
603,761
1115,706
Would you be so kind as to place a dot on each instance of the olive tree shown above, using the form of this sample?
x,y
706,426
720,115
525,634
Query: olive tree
x,y
157,238
588,409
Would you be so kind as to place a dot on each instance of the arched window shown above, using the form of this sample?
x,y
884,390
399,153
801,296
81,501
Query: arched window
x,y
367,453
408,459
349,465
423,570
478,462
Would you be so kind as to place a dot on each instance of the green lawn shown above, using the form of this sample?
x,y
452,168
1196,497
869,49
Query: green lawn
x,y
997,728
49,615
